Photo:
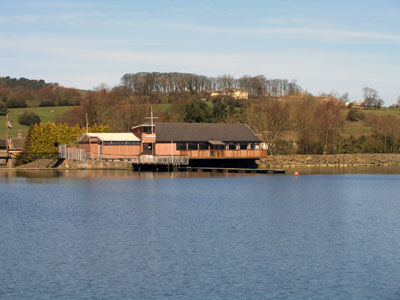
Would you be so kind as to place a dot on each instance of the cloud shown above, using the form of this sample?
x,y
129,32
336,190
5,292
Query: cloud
x,y
287,20
20,18
296,31
75,15
46,43
85,64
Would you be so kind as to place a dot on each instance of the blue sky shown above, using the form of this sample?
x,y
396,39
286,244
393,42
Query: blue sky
x,y
327,46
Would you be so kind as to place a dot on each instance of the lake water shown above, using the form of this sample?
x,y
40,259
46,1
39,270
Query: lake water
x,y
123,235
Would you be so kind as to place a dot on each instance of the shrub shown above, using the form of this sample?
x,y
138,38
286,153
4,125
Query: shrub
x,y
47,103
16,103
41,139
28,118
355,115
3,109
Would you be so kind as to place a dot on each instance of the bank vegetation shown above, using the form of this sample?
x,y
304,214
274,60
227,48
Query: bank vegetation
x,y
285,116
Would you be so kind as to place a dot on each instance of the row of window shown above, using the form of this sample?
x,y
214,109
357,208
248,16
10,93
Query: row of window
x,y
182,146
121,143
111,142
229,146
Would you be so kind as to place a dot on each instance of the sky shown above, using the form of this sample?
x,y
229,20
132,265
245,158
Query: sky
x,y
327,46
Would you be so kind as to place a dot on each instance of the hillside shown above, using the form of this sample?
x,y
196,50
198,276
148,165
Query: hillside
x,y
46,114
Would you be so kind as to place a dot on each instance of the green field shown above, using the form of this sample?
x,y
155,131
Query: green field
x,y
46,114
358,128
383,111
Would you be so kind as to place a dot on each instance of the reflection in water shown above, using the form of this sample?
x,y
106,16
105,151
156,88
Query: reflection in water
x,y
37,174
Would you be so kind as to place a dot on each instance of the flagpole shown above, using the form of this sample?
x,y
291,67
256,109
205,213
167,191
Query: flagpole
x,y
152,130
7,134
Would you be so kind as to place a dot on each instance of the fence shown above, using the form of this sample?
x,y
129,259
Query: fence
x,y
163,160
71,153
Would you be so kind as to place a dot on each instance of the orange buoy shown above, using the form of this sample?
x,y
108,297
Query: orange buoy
x,y
296,174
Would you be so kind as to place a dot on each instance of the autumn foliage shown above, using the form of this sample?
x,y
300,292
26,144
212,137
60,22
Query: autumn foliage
x,y
41,139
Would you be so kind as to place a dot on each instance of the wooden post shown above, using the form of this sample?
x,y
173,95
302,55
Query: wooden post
x,y
7,135
87,124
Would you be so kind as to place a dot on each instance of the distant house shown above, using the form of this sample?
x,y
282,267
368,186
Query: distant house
x,y
357,104
236,94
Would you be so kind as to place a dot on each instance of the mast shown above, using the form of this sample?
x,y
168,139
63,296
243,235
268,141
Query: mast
x,y
7,143
87,124
152,129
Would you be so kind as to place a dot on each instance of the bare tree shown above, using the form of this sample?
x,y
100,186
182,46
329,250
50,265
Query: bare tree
x,y
345,97
145,83
226,82
371,98
330,121
244,82
305,125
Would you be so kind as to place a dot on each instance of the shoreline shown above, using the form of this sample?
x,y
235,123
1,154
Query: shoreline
x,y
331,160
270,162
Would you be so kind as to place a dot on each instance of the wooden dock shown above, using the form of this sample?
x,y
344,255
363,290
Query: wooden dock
x,y
232,170
5,159
170,168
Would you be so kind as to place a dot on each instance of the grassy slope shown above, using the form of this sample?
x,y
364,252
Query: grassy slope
x,y
51,114
358,128
46,114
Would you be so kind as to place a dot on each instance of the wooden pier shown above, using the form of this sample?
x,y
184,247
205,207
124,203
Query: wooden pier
x,y
5,159
232,170
171,168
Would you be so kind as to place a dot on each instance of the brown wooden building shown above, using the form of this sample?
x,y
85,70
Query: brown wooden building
x,y
199,144
200,141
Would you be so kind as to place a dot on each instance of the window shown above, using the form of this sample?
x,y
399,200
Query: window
x,y
192,146
106,143
219,147
203,146
180,146
147,129
132,143
118,143
243,146
255,146
232,146
147,146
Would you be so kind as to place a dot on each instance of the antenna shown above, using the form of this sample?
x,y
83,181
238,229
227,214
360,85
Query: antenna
x,y
8,126
152,129
87,124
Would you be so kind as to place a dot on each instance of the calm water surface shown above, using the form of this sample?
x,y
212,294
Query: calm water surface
x,y
120,235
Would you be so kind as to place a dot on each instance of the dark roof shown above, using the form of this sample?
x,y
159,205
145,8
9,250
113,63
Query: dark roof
x,y
204,132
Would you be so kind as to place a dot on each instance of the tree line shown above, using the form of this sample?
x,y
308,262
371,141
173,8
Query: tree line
x,y
16,93
148,83
24,82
